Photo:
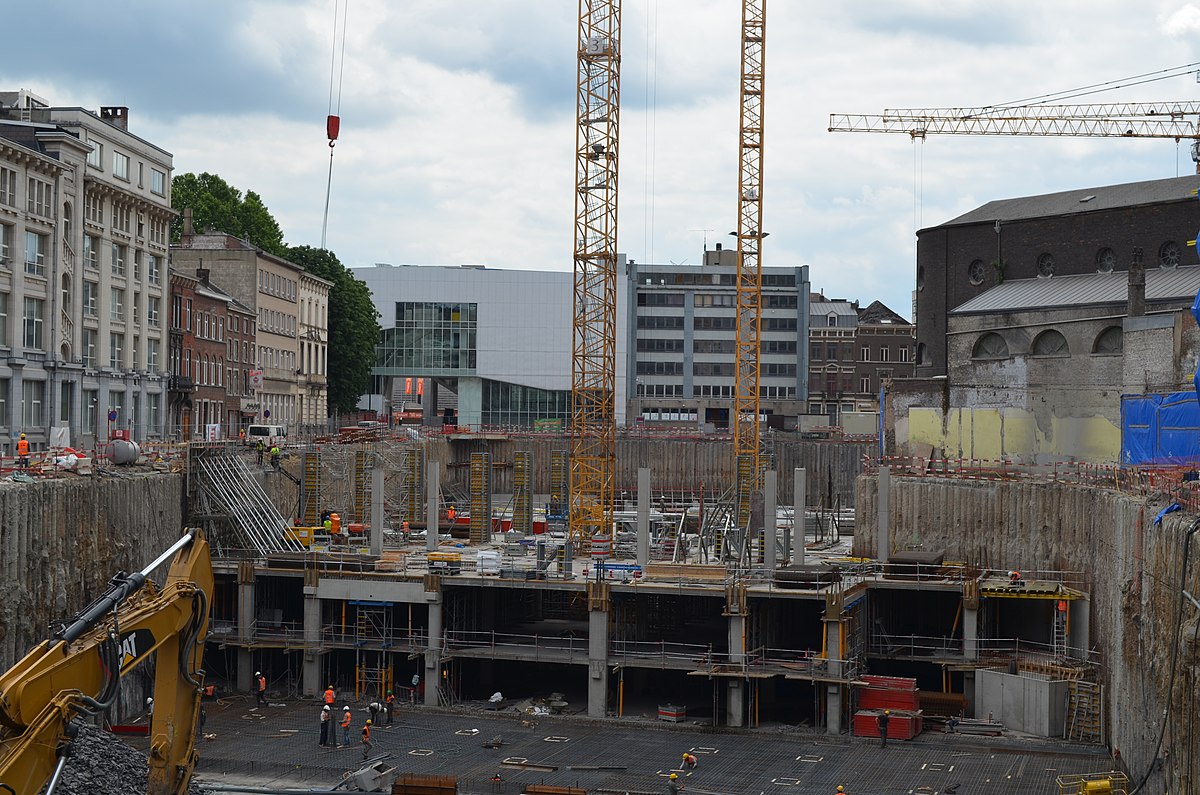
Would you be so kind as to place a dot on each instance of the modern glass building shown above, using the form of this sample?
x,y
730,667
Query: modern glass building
x,y
484,347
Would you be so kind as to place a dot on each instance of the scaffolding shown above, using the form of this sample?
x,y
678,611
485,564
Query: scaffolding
x,y
360,495
228,490
372,655
481,498
412,498
310,487
522,499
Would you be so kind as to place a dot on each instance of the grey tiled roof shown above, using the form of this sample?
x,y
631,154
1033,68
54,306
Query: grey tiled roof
x,y
1072,202
1162,284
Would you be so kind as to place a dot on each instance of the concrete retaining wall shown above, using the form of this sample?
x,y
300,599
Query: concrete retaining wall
x,y
1132,569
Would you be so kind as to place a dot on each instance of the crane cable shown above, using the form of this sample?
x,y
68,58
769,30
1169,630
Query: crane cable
x,y
333,118
1097,88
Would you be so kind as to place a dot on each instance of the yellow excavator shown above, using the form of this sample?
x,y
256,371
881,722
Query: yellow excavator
x,y
76,673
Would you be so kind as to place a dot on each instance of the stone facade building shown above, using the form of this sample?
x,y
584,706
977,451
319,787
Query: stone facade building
x,y
84,211
313,409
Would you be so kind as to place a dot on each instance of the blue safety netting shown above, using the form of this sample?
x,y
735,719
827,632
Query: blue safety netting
x,y
1160,429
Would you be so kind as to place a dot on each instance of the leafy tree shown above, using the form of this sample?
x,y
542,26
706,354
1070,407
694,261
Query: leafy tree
x,y
218,205
353,326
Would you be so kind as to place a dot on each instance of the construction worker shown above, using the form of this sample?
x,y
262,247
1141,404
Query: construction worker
x,y
346,718
673,786
329,696
325,725
23,452
261,687
416,685
451,513
374,708
840,790
390,706
241,434
275,456
260,447
366,739
689,761
884,718
328,523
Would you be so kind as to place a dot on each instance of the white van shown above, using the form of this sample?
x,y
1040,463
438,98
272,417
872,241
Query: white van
x,y
270,434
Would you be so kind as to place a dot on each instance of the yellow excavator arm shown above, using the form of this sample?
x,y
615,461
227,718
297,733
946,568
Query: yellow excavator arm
x,y
77,673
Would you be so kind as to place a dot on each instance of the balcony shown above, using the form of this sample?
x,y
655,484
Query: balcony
x,y
181,383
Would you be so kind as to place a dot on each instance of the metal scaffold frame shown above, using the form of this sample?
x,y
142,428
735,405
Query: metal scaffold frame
x,y
593,350
225,480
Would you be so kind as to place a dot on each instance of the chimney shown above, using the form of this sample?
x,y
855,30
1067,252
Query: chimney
x,y
116,115
188,228
1137,285
202,274
718,247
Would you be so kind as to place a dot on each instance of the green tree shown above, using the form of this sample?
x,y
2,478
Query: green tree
x,y
353,326
219,206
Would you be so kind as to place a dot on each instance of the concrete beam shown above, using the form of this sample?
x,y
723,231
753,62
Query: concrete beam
x,y
970,633
799,499
770,518
735,692
643,516
311,672
433,488
597,664
833,692
433,655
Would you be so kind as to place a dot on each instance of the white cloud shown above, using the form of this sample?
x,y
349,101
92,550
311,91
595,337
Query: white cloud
x,y
1184,21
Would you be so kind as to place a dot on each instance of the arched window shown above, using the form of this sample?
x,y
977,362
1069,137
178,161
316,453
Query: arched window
x,y
1168,255
921,353
1050,343
990,346
1109,341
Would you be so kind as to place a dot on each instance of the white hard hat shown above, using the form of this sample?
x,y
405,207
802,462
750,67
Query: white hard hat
x,y
150,701
326,708
347,709
258,673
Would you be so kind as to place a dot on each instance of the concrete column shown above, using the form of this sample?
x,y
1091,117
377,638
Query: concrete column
x,y
376,509
882,538
643,517
833,691
433,488
970,632
311,673
597,663
799,499
770,518
433,651
247,609
735,702
1079,630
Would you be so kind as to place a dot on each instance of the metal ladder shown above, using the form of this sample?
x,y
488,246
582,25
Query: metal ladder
x,y
1060,634
259,524
1085,705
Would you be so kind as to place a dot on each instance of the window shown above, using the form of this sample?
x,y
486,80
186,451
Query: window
x,y
137,264
990,346
66,400
1168,254
1050,343
116,403
1045,264
8,187
120,218
152,412
95,157
115,353
91,409
976,272
34,315
117,307
1109,341
3,324
93,208
35,253
6,235
152,312
885,353
135,350
33,395
864,384
1106,260
39,197
158,182
136,315
921,356
904,353
91,252
120,166
89,348
152,269
152,348
91,292
118,260
864,354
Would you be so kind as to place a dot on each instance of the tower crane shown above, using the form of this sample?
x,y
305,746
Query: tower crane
x,y
594,334
1173,120
749,262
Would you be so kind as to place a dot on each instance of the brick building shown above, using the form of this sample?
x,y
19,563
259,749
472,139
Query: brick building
x,y
181,355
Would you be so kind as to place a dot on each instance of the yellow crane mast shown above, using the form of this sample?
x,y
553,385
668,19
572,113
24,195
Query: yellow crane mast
x,y
594,333
749,261
1174,120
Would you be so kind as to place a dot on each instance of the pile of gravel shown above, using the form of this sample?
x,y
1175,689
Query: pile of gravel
x,y
104,764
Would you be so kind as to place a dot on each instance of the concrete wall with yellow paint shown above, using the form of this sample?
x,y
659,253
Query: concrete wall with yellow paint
x,y
994,433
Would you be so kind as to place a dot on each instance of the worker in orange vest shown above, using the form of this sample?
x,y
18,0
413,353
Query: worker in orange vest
x,y
346,718
23,452
366,739
261,689
450,512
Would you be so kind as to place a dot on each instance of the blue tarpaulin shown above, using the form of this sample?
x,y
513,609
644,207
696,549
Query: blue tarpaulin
x,y
1160,429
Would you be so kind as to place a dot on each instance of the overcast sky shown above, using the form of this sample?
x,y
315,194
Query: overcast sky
x,y
458,117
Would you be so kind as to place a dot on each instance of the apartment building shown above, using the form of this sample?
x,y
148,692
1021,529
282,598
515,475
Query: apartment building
x,y
313,408
84,211
682,336
269,286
